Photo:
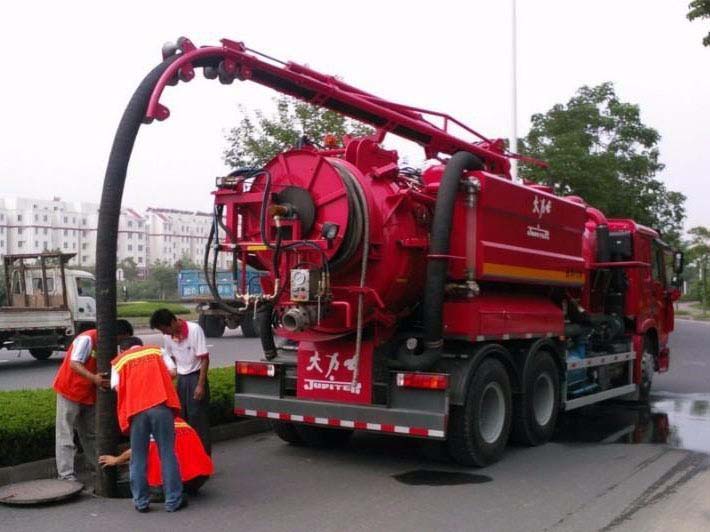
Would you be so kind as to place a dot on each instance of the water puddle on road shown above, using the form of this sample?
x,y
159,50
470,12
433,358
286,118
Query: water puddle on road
x,y
679,420
429,477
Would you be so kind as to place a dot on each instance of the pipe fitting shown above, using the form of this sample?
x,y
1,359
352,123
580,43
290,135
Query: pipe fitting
x,y
297,319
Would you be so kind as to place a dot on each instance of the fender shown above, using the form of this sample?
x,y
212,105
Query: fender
x,y
648,323
461,372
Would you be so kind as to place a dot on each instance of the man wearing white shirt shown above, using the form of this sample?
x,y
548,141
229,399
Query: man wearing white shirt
x,y
185,342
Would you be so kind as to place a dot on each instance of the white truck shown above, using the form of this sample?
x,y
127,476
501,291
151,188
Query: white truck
x,y
46,304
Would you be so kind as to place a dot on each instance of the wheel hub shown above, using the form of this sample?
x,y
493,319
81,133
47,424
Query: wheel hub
x,y
491,415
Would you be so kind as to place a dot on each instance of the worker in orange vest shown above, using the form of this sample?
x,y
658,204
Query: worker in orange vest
x,y
147,405
76,383
195,464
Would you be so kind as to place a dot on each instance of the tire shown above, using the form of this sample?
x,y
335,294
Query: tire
x,y
248,325
213,326
322,437
41,353
287,432
480,440
647,367
538,406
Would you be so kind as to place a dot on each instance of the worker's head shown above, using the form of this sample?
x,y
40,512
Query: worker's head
x,y
128,342
165,321
124,329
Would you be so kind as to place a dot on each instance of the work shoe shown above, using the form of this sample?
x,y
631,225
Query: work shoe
x,y
183,504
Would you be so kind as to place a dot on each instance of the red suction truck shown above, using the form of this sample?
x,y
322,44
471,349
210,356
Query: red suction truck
x,y
451,303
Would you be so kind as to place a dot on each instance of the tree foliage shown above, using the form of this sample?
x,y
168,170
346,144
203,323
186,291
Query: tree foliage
x,y
259,138
598,148
700,9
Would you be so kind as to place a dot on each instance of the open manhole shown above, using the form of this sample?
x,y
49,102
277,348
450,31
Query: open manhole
x,y
39,492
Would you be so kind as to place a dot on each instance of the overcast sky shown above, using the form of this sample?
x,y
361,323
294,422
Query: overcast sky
x,y
70,67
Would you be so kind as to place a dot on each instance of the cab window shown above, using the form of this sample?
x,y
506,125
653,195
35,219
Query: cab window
x,y
86,287
657,264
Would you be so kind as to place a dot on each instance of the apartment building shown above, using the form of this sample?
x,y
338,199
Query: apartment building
x,y
167,235
175,234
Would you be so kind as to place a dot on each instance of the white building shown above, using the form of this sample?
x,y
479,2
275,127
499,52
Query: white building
x,y
32,226
174,235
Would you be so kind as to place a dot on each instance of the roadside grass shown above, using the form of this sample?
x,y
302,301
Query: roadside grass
x,y
144,309
27,418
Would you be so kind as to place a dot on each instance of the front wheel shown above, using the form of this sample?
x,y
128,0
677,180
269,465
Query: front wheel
x,y
647,367
537,408
212,325
248,325
41,353
479,430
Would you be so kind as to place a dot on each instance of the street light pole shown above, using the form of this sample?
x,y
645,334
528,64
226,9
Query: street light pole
x,y
514,91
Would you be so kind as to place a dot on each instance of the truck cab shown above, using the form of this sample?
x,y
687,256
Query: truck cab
x,y
47,304
652,277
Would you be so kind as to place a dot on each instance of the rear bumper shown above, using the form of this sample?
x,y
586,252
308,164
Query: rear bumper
x,y
422,424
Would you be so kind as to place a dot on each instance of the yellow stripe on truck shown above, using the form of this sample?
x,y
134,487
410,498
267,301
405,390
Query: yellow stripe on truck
x,y
537,274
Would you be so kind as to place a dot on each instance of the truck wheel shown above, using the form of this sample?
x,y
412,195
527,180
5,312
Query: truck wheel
x,y
537,408
647,367
41,353
287,432
248,325
214,326
479,430
322,437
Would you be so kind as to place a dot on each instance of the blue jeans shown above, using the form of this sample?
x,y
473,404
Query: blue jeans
x,y
160,422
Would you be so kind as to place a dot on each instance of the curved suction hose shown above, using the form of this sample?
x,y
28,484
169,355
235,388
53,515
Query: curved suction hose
x,y
438,264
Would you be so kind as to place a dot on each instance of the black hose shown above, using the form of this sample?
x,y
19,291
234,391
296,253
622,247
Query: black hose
x,y
107,236
264,314
438,264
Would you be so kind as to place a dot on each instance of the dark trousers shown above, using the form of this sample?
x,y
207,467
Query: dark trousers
x,y
160,422
193,411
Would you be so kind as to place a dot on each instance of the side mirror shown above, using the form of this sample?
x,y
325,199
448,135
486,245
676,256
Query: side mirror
x,y
678,262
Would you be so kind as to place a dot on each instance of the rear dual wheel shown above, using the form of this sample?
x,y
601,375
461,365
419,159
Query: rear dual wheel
x,y
479,430
537,408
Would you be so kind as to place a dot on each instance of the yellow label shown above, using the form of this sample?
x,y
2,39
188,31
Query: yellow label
x,y
537,274
257,247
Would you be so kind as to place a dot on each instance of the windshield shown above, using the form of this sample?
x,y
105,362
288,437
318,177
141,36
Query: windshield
x,y
86,287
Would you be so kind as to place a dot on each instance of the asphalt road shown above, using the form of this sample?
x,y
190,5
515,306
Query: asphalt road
x,y
579,482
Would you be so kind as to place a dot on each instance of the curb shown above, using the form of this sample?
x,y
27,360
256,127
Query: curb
x,y
47,468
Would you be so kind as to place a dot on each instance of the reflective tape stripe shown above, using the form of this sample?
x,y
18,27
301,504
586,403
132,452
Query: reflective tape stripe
x,y
344,423
134,356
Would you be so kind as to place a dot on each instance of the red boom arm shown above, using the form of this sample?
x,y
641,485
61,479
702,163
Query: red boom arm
x,y
233,60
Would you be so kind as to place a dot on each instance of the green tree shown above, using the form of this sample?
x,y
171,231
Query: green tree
x,y
130,269
186,263
598,148
700,9
259,138
698,253
164,276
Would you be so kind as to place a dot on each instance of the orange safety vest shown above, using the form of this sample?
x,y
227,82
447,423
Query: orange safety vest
x,y
190,453
143,382
72,385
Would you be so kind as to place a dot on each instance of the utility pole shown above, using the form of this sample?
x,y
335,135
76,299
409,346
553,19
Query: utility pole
x,y
514,90
704,273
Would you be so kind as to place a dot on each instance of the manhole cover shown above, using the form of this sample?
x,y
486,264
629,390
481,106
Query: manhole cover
x,y
39,491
